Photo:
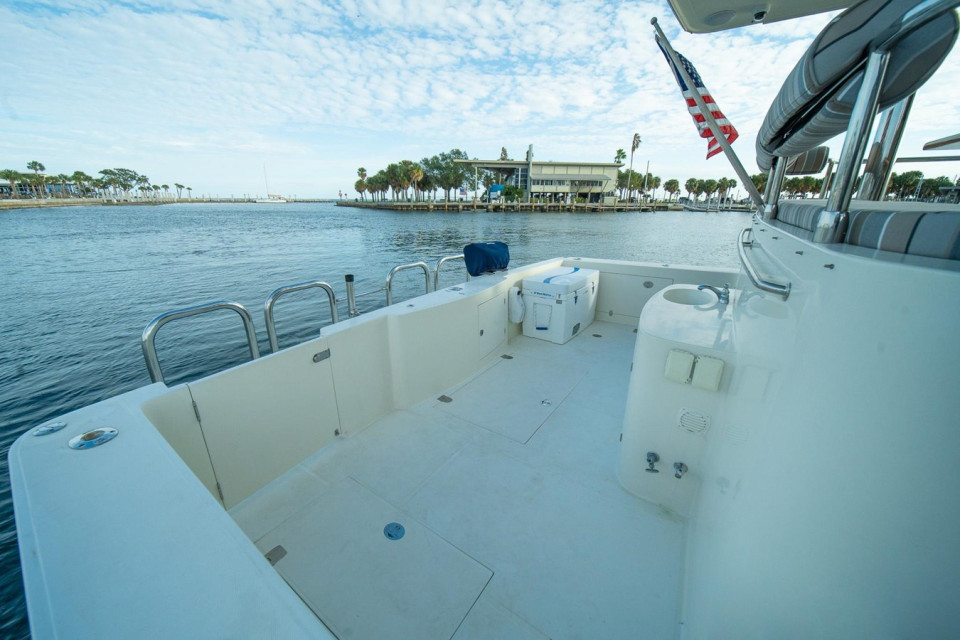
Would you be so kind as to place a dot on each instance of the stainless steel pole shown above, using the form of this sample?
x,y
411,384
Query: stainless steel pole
x,y
711,121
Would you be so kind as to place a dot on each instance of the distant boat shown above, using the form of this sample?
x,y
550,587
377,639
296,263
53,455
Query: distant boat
x,y
272,198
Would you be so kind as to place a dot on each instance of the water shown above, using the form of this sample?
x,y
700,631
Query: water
x,y
79,284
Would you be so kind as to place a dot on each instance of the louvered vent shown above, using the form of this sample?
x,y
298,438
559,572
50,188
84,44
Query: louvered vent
x,y
693,421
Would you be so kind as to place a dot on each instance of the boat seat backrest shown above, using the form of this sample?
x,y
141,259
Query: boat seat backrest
x,y
909,228
818,96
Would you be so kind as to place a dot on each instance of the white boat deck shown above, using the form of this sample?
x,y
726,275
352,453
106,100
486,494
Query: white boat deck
x,y
515,524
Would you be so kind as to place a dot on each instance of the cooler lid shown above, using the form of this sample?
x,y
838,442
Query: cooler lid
x,y
558,281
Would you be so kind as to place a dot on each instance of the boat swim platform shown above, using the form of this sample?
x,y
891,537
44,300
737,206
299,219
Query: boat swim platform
x,y
514,523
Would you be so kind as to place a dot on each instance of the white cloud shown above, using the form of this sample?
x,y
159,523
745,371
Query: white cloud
x,y
206,91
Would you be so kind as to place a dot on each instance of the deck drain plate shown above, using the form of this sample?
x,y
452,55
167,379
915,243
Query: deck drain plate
x,y
393,531
93,438
445,399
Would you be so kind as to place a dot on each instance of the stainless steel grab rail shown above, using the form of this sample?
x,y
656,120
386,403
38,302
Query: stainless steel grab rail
x,y
272,300
397,269
764,285
441,262
148,338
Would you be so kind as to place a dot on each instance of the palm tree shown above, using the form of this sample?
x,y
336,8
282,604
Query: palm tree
x,y
392,174
671,186
654,184
62,179
190,193
723,184
36,167
759,181
633,147
416,175
81,179
179,188
13,177
709,187
620,156
690,186
166,190
731,184
406,176
360,186
699,189
143,181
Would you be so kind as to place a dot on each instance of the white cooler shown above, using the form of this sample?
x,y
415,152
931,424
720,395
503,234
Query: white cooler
x,y
559,303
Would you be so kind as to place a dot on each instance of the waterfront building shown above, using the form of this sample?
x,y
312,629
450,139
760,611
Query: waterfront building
x,y
553,181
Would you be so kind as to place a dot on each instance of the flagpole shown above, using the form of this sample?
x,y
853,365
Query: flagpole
x,y
708,116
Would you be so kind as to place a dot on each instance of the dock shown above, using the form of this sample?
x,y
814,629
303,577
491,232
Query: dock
x,y
505,207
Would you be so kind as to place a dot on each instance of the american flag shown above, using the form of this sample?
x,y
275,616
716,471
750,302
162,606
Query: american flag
x,y
729,131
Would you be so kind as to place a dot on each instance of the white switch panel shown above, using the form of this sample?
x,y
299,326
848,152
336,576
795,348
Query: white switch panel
x,y
707,373
679,365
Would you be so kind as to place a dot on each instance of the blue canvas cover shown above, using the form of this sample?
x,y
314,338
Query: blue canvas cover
x,y
484,257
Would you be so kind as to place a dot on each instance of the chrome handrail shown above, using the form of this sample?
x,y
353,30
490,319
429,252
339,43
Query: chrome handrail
x,y
150,332
764,285
441,262
401,267
272,300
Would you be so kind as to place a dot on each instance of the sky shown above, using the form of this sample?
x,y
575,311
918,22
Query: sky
x,y
227,97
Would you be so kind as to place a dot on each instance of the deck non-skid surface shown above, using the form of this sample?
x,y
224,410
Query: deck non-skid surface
x,y
515,524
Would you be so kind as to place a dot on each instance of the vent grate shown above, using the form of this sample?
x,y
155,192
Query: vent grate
x,y
693,421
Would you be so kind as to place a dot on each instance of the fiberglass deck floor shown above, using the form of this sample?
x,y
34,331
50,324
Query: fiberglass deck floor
x,y
515,525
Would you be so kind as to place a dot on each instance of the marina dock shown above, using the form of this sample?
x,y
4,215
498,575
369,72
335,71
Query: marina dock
x,y
512,207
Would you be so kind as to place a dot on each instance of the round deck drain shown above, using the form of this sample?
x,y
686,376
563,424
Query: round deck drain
x,y
50,427
93,438
393,531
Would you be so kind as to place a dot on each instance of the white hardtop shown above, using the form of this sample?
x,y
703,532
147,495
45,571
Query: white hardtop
x,y
560,281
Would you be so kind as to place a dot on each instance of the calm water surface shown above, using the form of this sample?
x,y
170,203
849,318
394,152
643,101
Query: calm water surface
x,y
79,284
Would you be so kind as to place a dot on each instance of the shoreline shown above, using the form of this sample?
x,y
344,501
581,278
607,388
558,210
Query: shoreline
x,y
13,204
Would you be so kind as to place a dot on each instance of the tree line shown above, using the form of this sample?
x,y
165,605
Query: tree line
x,y
909,185
630,181
110,183
429,175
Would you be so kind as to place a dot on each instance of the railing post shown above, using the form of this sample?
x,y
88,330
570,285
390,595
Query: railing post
x,y
832,223
771,195
889,132
351,296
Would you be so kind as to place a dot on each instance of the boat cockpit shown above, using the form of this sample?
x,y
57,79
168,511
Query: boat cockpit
x,y
580,447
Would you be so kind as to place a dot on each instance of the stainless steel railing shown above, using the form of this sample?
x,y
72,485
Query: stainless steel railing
x,y
436,269
402,267
147,340
149,333
745,243
272,300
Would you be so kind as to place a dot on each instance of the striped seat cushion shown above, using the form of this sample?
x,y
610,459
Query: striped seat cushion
x,y
800,213
914,229
935,234
817,97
